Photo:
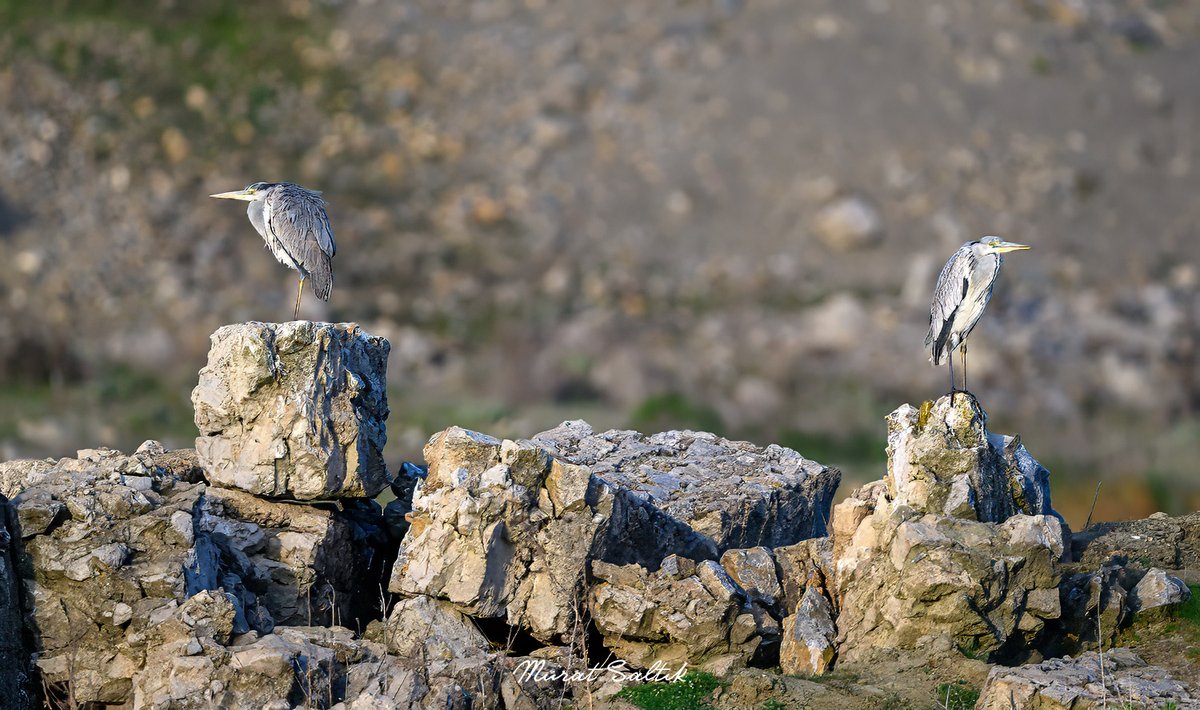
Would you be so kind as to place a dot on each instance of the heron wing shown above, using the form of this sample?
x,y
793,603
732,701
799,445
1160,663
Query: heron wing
x,y
297,219
952,286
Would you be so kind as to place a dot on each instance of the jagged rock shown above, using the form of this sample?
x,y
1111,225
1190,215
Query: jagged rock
x,y
942,459
731,493
1095,607
116,545
1083,683
753,569
1156,590
432,631
505,528
1172,544
808,637
914,564
500,529
806,564
684,612
15,682
294,410
306,564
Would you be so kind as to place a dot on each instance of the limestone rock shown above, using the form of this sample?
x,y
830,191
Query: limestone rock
x,y
117,546
941,550
305,564
804,565
684,612
294,410
808,637
501,529
1084,683
753,570
730,493
1156,590
15,681
942,459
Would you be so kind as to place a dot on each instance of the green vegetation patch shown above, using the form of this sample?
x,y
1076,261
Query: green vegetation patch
x,y
690,692
956,696
662,412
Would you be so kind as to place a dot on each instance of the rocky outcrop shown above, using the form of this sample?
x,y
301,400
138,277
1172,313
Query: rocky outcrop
x,y
294,410
507,528
942,460
953,548
1156,591
1116,678
685,612
118,545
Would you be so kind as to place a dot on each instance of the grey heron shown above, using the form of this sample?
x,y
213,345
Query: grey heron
x,y
293,223
962,292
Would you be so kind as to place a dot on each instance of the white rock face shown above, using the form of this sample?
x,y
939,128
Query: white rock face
x,y
1158,589
294,410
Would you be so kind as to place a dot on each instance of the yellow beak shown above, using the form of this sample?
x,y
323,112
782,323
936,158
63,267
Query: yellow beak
x,y
1003,247
235,195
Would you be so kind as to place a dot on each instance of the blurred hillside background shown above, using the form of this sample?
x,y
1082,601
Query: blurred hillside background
x,y
717,214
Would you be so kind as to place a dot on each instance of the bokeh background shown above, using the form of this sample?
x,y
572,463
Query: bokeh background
x,y
719,214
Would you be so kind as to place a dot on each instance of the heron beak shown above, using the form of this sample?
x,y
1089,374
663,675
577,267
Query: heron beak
x,y
235,195
1003,247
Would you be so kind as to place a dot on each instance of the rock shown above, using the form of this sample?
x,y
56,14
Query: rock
x,y
16,685
432,631
1083,683
305,564
942,552
753,570
501,529
684,612
731,493
1157,590
118,546
808,637
942,459
294,410
506,528
1172,544
804,565
1094,606
849,223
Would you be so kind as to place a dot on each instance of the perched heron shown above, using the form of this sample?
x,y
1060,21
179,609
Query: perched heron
x,y
293,223
962,292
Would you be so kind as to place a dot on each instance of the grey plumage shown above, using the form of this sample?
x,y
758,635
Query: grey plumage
x,y
961,295
293,223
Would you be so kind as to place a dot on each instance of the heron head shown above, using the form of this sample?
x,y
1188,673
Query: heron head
x,y
250,193
996,245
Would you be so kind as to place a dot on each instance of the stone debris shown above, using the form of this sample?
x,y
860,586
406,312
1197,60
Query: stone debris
x,y
808,637
683,612
294,410
1084,683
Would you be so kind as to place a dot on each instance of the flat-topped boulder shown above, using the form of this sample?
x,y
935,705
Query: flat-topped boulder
x,y
294,410
735,494
508,528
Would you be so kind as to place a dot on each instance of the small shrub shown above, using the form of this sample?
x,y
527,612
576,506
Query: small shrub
x,y
690,692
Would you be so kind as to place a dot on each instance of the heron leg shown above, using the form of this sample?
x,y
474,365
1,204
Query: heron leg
x,y
953,390
299,293
963,348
